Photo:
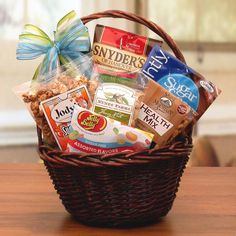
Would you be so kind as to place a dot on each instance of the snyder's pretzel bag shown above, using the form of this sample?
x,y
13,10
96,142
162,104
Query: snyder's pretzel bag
x,y
162,113
93,133
180,80
121,50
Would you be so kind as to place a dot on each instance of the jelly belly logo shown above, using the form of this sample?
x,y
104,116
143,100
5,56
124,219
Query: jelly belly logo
x,y
91,122
183,87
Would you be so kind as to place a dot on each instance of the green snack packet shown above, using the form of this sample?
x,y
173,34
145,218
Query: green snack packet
x,y
117,95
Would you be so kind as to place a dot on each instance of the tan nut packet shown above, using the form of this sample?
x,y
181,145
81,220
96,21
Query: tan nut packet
x,y
162,114
121,50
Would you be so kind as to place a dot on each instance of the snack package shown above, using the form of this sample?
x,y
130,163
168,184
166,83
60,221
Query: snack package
x,y
180,80
58,111
117,95
121,50
65,78
93,133
162,113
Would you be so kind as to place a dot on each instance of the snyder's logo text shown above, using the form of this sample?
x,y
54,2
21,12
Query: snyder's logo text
x,y
117,55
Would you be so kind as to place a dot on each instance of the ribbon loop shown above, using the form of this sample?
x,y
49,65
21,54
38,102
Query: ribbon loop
x,y
71,39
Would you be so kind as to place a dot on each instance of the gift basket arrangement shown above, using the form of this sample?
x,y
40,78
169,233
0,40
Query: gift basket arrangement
x,y
114,120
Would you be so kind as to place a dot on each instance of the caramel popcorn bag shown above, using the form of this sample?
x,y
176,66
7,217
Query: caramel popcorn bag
x,y
59,89
65,66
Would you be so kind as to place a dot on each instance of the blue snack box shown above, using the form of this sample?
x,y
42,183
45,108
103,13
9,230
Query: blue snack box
x,y
179,79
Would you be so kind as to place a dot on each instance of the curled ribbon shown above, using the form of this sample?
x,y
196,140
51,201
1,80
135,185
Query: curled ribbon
x,y
71,39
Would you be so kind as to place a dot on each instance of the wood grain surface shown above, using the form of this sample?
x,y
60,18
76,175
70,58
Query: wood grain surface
x,y
205,206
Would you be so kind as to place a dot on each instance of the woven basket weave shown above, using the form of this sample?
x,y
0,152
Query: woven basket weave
x,y
121,189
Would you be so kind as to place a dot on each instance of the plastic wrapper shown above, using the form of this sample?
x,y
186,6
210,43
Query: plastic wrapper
x,y
93,133
60,81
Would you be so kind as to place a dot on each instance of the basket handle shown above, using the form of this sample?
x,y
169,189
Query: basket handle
x,y
138,19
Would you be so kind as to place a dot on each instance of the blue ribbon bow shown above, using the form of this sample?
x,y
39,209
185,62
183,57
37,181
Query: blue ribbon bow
x,y
71,39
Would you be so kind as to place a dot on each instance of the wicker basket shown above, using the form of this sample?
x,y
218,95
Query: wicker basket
x,y
122,189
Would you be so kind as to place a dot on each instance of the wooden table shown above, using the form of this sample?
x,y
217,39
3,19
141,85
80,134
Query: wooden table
x,y
205,205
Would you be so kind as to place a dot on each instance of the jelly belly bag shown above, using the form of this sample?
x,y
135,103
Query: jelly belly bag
x,y
93,133
180,80
121,50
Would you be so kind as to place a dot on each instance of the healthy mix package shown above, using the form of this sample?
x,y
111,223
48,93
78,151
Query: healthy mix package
x,y
162,114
